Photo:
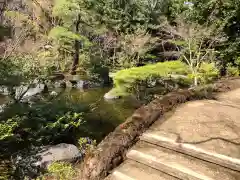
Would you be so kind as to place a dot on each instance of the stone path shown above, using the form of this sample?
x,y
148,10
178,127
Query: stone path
x,y
199,140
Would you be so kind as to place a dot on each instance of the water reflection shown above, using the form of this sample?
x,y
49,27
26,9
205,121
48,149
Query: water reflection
x,y
115,111
3,99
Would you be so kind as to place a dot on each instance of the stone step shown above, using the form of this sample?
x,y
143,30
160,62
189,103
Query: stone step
x,y
179,165
132,170
197,150
209,130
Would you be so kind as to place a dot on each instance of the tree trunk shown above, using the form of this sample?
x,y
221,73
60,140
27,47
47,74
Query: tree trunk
x,y
195,81
2,8
77,46
223,68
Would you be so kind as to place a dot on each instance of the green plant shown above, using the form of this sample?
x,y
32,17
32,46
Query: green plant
x,y
62,171
208,73
124,80
232,70
86,144
196,43
40,123
7,128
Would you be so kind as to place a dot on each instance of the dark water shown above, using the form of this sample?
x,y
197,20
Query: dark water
x,y
104,117
115,111
3,99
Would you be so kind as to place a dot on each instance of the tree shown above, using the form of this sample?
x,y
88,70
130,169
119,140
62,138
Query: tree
x,y
130,15
132,48
196,43
74,16
224,14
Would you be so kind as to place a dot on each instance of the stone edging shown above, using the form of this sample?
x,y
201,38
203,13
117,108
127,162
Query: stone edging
x,y
112,150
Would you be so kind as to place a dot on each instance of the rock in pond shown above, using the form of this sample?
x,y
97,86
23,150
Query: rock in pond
x,y
83,83
111,96
2,108
31,162
60,84
53,93
4,90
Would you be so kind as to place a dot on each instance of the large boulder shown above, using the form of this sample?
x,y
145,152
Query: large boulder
x,y
32,162
60,152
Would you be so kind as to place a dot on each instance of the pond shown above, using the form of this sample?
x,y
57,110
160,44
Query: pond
x,y
115,111
104,117
3,99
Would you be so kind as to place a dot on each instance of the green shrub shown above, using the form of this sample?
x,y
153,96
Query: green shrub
x,y
7,128
208,73
41,123
125,80
62,170
232,70
59,171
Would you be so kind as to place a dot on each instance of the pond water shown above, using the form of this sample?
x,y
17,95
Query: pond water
x,y
104,117
115,111
3,99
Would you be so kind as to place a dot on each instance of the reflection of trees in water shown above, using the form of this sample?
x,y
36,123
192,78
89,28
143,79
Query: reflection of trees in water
x,y
115,111
104,115
3,99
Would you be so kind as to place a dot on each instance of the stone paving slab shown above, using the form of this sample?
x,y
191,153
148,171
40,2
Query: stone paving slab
x,y
206,129
230,97
179,165
132,170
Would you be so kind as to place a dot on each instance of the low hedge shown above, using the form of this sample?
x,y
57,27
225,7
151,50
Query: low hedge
x,y
177,72
125,79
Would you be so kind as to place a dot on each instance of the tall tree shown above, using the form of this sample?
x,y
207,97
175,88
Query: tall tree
x,y
75,17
